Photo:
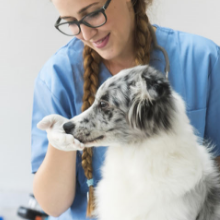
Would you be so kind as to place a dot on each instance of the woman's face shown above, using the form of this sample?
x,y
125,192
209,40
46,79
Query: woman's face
x,y
117,32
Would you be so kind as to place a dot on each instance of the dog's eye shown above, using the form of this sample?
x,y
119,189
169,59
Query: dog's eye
x,y
103,104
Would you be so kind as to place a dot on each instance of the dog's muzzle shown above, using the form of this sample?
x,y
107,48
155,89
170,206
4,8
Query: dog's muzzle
x,y
69,127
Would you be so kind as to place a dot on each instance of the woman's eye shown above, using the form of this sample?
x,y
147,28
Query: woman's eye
x,y
96,14
71,22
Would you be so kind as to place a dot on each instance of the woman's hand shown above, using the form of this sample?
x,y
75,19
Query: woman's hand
x,y
53,125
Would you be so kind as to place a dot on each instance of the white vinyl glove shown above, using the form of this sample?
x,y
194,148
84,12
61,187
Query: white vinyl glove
x,y
53,125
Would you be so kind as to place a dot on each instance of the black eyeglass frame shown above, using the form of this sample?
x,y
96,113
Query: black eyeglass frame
x,y
102,10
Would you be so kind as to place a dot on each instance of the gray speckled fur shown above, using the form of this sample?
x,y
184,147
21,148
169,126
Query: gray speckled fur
x,y
140,105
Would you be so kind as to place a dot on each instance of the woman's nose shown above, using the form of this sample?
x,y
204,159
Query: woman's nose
x,y
69,127
87,32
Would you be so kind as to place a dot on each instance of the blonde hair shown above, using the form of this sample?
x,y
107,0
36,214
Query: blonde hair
x,y
92,59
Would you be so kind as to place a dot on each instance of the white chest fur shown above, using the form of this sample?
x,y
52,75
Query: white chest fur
x,y
151,181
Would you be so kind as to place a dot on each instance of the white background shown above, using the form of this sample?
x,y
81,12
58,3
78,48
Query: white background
x,y
27,40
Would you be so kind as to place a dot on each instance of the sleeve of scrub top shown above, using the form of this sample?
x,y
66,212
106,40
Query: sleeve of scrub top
x,y
44,103
212,130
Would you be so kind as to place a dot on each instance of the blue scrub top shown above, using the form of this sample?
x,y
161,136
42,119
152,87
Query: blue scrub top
x,y
194,74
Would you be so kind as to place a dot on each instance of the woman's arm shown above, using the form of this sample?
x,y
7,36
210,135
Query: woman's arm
x,y
55,181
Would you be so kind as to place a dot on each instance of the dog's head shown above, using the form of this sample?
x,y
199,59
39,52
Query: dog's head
x,y
132,105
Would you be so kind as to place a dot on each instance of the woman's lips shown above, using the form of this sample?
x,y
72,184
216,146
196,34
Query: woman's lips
x,y
101,43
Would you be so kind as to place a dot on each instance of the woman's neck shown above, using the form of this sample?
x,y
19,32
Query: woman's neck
x,y
126,60
115,66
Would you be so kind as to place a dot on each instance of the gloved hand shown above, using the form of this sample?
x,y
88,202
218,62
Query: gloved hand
x,y
53,125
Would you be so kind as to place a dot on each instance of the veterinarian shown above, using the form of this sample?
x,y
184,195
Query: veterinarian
x,y
108,36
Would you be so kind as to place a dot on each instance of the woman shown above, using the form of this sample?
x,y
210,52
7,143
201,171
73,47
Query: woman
x,y
116,37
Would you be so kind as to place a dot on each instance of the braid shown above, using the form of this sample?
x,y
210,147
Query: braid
x,y
92,60
142,36
91,71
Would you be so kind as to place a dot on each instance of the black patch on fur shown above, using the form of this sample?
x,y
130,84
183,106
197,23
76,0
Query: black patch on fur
x,y
85,120
127,101
110,115
126,78
112,84
110,130
93,125
126,96
132,83
116,103
118,120
88,134
105,97
158,84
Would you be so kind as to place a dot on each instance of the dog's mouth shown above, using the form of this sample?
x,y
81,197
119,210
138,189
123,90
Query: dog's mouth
x,y
91,141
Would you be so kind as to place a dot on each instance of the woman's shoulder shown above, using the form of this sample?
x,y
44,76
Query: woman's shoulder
x,y
189,43
72,50
61,66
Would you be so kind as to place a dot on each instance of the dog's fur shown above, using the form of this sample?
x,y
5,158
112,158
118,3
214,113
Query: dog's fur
x,y
155,168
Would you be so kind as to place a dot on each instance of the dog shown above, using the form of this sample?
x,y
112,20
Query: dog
x,y
155,167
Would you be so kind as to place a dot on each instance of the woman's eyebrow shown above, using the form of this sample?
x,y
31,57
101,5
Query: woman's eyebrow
x,y
65,17
81,11
84,9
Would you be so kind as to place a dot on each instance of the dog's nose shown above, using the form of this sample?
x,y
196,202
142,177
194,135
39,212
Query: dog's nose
x,y
68,127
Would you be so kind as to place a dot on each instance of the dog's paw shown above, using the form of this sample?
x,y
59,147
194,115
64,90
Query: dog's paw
x,y
53,125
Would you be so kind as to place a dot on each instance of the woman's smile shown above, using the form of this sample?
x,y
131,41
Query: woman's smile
x,y
102,42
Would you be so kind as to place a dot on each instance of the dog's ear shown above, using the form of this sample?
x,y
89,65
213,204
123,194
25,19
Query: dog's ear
x,y
156,83
150,95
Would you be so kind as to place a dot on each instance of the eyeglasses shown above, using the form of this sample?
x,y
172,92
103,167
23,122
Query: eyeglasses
x,y
94,19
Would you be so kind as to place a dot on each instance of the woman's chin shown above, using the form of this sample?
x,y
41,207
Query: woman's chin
x,y
108,53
